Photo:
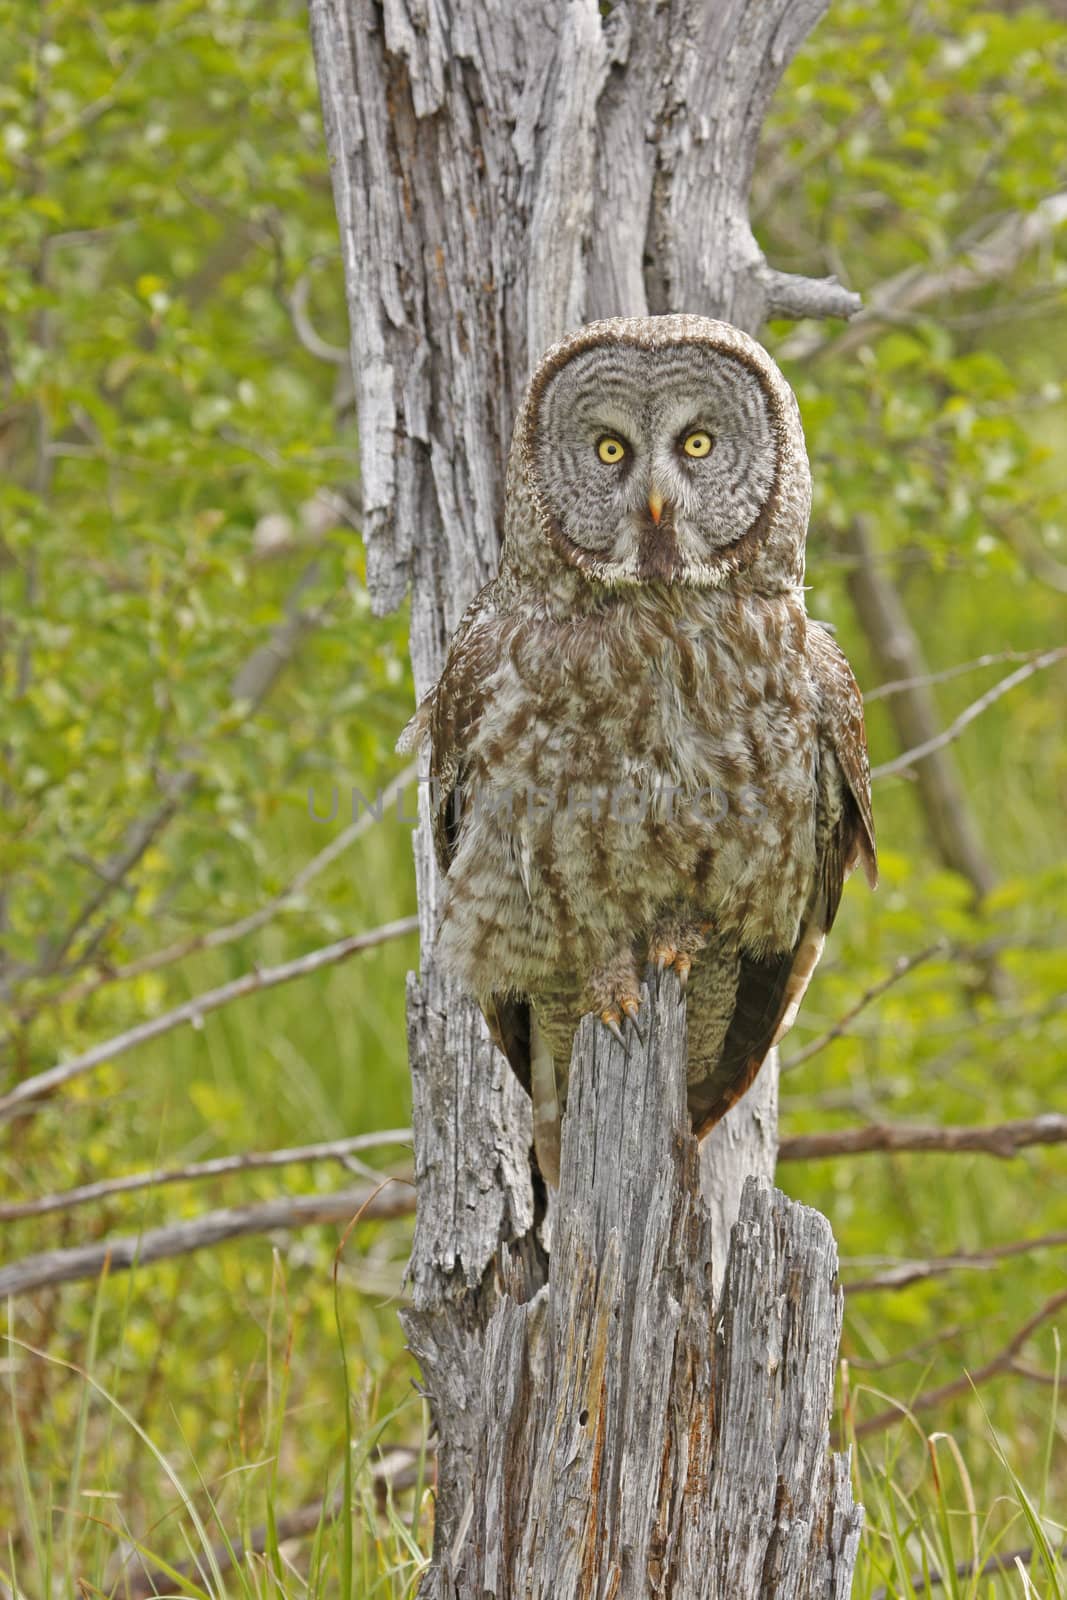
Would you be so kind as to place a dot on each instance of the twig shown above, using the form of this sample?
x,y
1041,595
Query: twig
x,y
140,835
391,1198
216,937
1004,1139
968,1569
194,1172
305,330
895,648
1000,1364
790,294
192,1012
911,1352
251,686
259,673
925,680
900,969
398,1470
988,259
902,762
904,1273
95,109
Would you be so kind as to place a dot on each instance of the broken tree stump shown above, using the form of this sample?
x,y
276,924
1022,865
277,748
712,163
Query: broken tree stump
x,y
627,1433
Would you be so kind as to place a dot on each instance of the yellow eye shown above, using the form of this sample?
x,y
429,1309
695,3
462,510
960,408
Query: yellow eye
x,y
610,450
697,444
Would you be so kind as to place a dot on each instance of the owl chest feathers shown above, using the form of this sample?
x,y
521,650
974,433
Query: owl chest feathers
x,y
659,751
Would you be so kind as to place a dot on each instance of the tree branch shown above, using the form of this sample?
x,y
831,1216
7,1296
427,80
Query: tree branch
x,y
192,1012
990,258
1004,1139
905,1273
197,1171
897,653
250,688
1009,1561
297,305
791,295
52,1267
901,968
997,1367
902,762
213,938
926,680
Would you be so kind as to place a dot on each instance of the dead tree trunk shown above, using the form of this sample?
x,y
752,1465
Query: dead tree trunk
x,y
503,173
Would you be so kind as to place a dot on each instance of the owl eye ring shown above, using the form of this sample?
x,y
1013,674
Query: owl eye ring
x,y
610,450
697,444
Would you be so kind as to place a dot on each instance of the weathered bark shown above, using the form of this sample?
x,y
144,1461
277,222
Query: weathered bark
x,y
503,173
639,1436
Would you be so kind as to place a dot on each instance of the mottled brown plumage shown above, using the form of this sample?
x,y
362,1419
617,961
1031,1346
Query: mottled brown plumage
x,y
641,747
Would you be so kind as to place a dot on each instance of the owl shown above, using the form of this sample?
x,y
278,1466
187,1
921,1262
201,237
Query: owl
x,y
643,754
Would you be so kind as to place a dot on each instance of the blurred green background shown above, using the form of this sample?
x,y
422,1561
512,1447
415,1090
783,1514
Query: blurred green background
x,y
178,447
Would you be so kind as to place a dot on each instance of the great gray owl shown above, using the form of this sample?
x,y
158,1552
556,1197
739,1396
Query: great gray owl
x,y
641,749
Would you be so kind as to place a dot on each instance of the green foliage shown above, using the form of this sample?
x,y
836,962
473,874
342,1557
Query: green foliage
x,y
179,482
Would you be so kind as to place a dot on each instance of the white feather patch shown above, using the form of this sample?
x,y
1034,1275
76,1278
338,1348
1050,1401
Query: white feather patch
x,y
807,959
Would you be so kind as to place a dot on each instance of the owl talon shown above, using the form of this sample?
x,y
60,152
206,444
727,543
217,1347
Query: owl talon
x,y
675,946
611,1020
632,1009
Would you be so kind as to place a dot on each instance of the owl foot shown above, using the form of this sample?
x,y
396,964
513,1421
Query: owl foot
x,y
624,1014
674,944
617,1000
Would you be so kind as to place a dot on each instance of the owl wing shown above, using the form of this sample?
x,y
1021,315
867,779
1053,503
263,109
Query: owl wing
x,y
770,988
446,717
841,727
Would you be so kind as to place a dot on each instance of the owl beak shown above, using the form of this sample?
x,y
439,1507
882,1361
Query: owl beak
x,y
655,505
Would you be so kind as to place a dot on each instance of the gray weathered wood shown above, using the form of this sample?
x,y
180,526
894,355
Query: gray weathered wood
x,y
637,1435
502,173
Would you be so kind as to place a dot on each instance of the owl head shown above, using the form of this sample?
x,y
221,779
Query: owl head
x,y
659,450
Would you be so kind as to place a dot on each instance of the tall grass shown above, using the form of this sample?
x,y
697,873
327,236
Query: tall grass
x,y
233,1534
929,1532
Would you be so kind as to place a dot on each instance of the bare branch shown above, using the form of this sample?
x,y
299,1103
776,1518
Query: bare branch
x,y
911,1352
901,968
372,1203
250,688
314,344
904,1273
992,257
895,647
1009,1561
1004,1139
197,1171
927,679
791,295
95,109
140,835
192,1012
1000,1364
902,762
395,1472
215,937
257,677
